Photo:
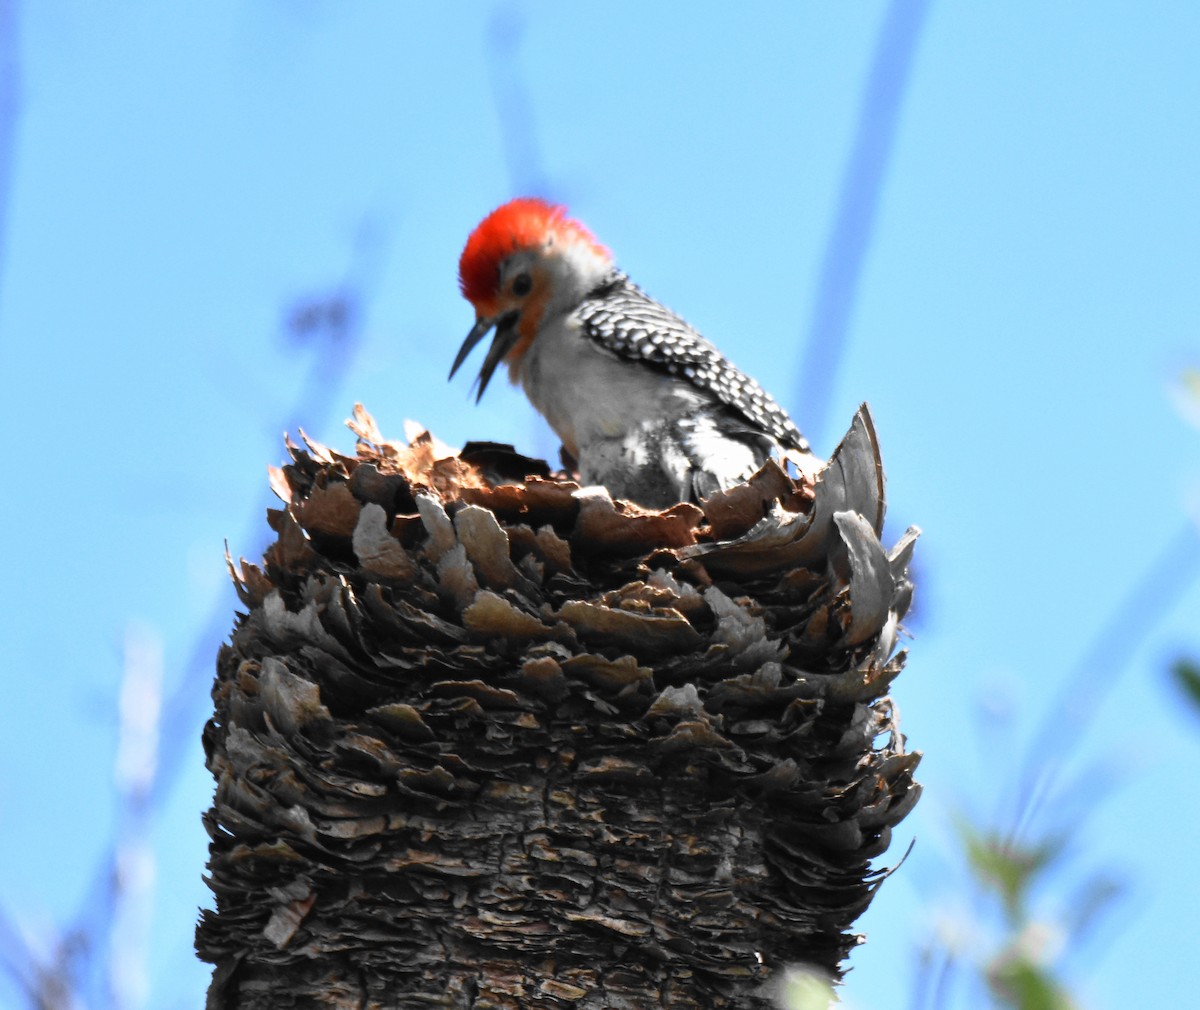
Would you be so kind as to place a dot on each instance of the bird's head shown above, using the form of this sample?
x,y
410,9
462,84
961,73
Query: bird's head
x,y
523,264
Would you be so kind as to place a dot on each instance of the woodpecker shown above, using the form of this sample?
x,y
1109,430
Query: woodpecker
x,y
643,403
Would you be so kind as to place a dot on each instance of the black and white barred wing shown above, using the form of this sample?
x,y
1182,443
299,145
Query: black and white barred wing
x,y
621,318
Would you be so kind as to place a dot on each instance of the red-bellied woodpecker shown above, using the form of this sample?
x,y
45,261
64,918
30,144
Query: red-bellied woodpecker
x,y
644,405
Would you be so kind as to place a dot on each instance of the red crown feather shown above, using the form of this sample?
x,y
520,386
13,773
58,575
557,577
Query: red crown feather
x,y
523,223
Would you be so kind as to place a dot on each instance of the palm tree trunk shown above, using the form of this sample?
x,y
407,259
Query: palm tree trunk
x,y
486,739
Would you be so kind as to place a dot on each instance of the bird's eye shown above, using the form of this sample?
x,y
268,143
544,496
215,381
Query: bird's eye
x,y
521,285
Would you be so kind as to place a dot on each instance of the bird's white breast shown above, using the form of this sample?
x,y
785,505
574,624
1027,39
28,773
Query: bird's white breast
x,y
589,395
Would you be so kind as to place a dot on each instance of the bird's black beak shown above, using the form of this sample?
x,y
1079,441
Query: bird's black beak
x,y
502,342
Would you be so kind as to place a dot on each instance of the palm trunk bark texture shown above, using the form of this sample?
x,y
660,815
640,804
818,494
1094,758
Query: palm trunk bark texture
x,y
483,738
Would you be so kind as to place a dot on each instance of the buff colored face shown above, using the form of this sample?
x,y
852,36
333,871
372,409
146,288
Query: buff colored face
x,y
508,272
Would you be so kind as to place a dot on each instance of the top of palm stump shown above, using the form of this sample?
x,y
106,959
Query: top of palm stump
x,y
485,738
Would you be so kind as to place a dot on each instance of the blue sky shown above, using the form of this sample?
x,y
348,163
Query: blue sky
x,y
183,174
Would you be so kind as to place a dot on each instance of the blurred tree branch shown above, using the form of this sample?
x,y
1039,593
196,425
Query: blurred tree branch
x,y
329,325
518,133
10,105
854,220
1095,675
1021,969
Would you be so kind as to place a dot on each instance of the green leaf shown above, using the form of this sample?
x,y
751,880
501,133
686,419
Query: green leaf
x,y
1187,676
1007,867
1020,983
805,990
1190,379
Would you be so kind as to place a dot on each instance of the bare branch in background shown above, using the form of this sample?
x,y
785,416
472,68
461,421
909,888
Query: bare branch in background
x,y
45,984
934,968
330,324
518,132
10,95
858,201
1170,574
140,706
17,960
48,982
522,150
1019,963
149,760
